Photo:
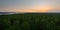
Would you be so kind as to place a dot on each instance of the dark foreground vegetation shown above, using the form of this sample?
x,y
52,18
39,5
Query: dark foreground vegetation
x,y
30,22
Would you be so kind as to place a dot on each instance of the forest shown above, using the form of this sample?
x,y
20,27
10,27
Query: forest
x,y
30,21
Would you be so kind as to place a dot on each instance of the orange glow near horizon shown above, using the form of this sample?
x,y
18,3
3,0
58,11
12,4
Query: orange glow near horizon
x,y
35,9
32,11
38,9
45,9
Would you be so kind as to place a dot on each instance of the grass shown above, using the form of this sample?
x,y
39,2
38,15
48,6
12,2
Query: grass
x,y
30,22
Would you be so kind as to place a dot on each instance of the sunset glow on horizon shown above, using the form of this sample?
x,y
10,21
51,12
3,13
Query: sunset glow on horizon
x,y
29,5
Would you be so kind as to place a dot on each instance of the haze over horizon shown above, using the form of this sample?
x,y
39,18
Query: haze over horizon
x,y
29,5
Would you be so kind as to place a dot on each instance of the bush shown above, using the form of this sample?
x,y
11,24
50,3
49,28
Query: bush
x,y
30,22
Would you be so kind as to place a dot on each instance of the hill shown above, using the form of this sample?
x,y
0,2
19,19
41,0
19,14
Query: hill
x,y
4,13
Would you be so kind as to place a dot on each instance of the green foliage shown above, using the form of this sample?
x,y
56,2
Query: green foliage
x,y
30,22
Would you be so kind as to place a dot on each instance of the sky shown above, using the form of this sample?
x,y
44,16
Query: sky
x,y
29,5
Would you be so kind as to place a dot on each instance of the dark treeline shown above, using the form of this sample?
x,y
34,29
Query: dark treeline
x,y
30,22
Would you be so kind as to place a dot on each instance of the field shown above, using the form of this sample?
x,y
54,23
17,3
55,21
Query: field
x,y
30,21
